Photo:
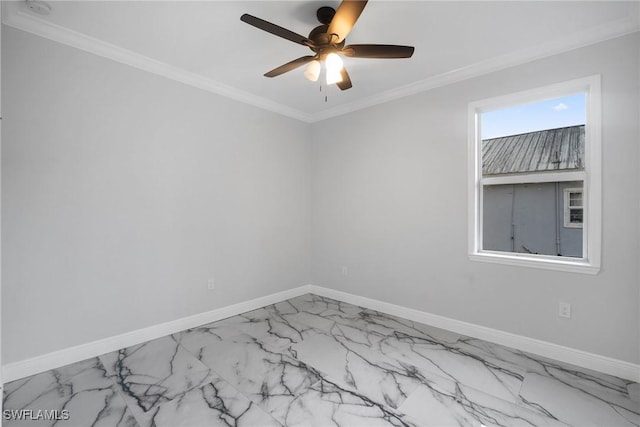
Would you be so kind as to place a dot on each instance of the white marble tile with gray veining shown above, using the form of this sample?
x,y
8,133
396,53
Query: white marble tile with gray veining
x,y
355,364
267,324
383,352
322,306
285,322
316,312
317,361
575,405
327,403
293,392
427,356
80,394
608,392
447,403
494,358
268,377
215,404
634,392
150,374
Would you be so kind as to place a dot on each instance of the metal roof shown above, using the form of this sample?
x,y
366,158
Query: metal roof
x,y
545,150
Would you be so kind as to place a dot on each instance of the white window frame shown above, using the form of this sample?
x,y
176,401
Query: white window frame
x,y
568,207
589,263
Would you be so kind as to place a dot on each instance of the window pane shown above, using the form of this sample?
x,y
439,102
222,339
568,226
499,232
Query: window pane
x,y
548,114
575,199
519,144
529,218
527,154
575,216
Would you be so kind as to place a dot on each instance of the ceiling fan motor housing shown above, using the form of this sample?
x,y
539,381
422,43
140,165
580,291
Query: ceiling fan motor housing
x,y
322,40
325,14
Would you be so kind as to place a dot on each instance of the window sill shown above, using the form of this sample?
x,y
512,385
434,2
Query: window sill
x,y
575,265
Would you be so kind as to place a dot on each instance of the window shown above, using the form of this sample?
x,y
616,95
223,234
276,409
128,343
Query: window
x,y
534,178
573,208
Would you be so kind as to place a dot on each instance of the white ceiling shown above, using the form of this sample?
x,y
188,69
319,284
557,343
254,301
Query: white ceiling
x,y
205,43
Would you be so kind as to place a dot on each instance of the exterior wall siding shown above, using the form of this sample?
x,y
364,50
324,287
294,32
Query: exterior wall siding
x,y
529,218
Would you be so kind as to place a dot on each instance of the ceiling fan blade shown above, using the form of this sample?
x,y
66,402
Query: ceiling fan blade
x,y
378,51
345,18
346,80
275,29
292,65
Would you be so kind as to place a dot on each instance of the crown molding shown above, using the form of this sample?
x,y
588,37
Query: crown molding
x,y
14,17
592,36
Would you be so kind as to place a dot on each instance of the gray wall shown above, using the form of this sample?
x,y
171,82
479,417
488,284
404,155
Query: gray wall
x,y
531,216
123,192
390,203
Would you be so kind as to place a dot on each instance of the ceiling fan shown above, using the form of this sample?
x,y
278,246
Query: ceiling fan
x,y
327,41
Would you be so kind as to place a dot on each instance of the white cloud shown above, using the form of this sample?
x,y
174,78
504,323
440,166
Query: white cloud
x,y
561,106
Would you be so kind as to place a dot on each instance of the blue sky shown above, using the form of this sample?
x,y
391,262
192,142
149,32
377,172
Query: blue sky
x,y
553,113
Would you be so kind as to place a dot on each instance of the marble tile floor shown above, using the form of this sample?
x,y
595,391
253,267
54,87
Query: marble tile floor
x,y
313,361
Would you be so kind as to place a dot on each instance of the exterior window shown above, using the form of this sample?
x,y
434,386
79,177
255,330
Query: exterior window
x,y
573,208
534,178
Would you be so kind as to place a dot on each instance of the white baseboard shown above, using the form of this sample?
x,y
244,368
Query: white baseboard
x,y
56,359
607,365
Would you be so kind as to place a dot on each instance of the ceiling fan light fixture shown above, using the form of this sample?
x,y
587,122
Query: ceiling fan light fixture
x,y
312,70
333,64
333,77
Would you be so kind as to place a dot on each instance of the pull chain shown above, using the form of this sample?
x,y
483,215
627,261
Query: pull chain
x,y
326,98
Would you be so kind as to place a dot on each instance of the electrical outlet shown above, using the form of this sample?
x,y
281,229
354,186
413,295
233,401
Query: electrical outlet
x,y
564,310
211,284
345,270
